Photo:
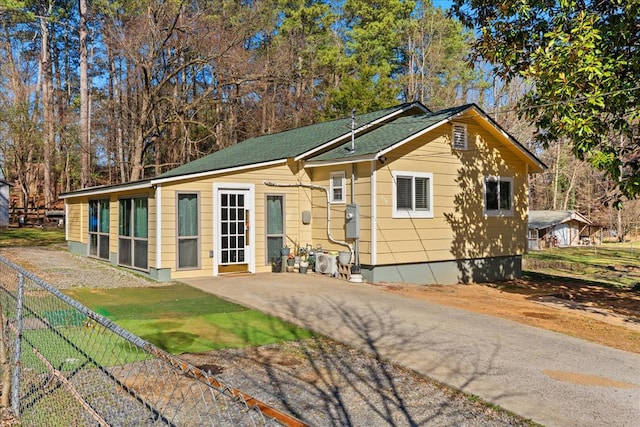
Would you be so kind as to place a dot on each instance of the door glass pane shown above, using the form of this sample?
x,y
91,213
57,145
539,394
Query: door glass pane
x,y
140,254
187,215
274,244
140,229
188,253
275,219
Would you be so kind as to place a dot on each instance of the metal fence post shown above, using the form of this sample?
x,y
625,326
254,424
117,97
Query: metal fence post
x,y
15,380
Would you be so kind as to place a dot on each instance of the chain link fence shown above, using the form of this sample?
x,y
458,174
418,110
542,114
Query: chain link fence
x,y
63,364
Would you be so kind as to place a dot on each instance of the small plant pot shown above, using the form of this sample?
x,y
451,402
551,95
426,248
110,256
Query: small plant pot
x,y
303,270
285,251
290,262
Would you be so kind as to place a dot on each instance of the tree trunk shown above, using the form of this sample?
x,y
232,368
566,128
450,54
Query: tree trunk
x,y
85,157
48,116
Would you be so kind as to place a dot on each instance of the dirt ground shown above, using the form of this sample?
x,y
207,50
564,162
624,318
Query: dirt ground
x,y
602,315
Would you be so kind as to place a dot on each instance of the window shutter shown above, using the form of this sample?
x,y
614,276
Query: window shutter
x,y
459,137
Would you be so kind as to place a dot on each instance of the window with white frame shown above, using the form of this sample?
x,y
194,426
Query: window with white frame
x,y
412,195
337,187
498,196
459,136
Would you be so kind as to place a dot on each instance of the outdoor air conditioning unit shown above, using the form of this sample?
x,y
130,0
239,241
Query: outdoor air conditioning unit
x,y
326,264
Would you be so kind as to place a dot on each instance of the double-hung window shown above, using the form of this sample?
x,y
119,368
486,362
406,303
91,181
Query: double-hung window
x,y
498,196
188,231
99,228
337,187
413,195
133,232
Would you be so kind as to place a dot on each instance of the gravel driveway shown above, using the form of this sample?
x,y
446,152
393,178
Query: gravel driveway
x,y
316,380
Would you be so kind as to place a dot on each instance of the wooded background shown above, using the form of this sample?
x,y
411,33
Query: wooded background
x,y
105,92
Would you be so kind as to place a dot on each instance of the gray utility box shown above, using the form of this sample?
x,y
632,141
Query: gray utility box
x,y
352,218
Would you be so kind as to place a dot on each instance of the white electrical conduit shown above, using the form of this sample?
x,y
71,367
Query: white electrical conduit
x,y
326,192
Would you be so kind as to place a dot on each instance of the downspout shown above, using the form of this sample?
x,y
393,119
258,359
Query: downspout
x,y
326,192
356,252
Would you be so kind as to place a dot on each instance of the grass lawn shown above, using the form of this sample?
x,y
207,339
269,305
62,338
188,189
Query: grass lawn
x,y
611,264
181,319
28,236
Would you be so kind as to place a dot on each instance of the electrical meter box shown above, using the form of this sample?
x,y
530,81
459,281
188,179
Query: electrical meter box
x,y
352,217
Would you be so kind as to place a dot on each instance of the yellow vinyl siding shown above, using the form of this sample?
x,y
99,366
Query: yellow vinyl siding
x,y
77,219
459,229
296,200
337,210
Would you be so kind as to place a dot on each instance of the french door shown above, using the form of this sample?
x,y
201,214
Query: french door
x,y
233,230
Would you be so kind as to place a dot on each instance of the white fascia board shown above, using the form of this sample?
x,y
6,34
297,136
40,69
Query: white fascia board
x,y
216,172
106,190
356,159
358,130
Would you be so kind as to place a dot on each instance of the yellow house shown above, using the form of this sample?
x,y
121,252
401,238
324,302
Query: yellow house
x,y
414,195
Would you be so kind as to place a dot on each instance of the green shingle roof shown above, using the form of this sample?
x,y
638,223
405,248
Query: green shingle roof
x,y
277,146
389,134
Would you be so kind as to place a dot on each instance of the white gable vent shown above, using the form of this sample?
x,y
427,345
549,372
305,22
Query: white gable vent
x,y
459,136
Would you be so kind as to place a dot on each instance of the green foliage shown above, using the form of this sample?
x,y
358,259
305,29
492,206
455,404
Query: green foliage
x,y
373,55
584,62
180,319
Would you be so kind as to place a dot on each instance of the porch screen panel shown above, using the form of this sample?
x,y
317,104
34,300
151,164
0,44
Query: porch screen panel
x,y
275,226
188,234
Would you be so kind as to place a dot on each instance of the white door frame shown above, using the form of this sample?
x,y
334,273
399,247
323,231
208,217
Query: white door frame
x,y
251,205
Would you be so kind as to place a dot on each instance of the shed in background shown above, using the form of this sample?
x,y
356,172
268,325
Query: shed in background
x,y
557,228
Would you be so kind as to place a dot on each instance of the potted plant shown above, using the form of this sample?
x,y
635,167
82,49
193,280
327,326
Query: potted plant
x,y
285,251
303,267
